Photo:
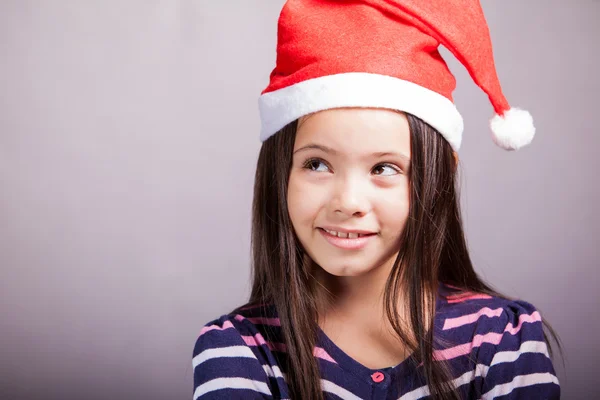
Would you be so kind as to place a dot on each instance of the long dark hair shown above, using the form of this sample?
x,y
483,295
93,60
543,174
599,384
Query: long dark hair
x,y
433,250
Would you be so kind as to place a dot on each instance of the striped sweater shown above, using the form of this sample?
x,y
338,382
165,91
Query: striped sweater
x,y
497,351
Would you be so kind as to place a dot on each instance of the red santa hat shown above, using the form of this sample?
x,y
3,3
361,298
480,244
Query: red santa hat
x,y
384,54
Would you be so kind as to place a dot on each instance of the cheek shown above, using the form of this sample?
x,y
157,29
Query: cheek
x,y
302,206
393,210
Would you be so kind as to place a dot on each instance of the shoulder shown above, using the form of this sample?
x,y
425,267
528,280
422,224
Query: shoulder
x,y
505,342
484,313
490,323
239,327
232,354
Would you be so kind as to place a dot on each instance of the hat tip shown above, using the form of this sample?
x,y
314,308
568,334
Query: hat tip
x,y
512,130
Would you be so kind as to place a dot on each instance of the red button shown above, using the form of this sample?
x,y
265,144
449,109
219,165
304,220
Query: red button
x,y
377,376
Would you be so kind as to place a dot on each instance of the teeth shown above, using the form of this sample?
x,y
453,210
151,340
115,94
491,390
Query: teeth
x,y
351,235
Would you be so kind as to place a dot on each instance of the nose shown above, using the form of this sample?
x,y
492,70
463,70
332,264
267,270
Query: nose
x,y
350,197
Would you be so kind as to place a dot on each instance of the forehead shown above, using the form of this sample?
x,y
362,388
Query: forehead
x,y
356,130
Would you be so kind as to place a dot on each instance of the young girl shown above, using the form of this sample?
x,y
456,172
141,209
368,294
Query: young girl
x,y
363,286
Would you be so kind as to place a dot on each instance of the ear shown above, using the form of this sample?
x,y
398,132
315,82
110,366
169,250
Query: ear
x,y
455,154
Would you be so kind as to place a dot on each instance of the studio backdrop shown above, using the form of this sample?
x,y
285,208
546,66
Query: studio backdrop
x,y
129,134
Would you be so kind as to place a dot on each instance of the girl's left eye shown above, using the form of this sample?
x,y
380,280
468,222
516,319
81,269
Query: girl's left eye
x,y
385,170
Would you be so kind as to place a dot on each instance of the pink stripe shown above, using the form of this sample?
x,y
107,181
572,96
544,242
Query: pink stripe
x,y
265,321
251,306
452,286
258,340
453,352
470,318
478,340
534,317
259,320
467,296
320,352
226,325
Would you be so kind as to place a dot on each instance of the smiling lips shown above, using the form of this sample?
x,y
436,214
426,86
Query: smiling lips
x,y
350,240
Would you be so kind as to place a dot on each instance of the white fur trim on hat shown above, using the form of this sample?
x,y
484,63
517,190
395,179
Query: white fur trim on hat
x,y
359,89
513,130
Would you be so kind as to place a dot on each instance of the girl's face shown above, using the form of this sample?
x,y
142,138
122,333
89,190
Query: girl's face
x,y
348,194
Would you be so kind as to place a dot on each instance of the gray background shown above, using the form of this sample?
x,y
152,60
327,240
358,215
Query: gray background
x,y
128,142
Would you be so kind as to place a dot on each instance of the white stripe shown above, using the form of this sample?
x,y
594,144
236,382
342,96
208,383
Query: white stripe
x,y
231,351
481,370
231,383
328,386
273,372
531,346
359,89
518,382
415,394
424,390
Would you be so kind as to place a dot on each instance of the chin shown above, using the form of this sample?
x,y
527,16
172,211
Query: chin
x,y
352,264
345,270
348,268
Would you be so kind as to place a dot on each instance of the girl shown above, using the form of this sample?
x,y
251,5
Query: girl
x,y
363,287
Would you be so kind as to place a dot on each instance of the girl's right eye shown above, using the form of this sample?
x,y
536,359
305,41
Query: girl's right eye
x,y
315,164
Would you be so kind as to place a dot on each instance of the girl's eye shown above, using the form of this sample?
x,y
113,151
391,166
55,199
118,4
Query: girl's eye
x,y
385,170
314,164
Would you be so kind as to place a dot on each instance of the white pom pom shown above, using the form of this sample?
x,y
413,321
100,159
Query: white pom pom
x,y
513,130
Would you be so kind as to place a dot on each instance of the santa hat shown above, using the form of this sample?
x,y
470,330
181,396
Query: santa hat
x,y
384,54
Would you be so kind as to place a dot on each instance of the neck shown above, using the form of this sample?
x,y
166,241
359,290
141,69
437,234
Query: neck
x,y
359,299
353,298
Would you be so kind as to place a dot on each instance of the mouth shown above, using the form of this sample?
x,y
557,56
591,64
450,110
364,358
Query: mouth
x,y
347,234
349,240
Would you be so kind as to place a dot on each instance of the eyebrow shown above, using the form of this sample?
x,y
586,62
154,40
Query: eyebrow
x,y
329,150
